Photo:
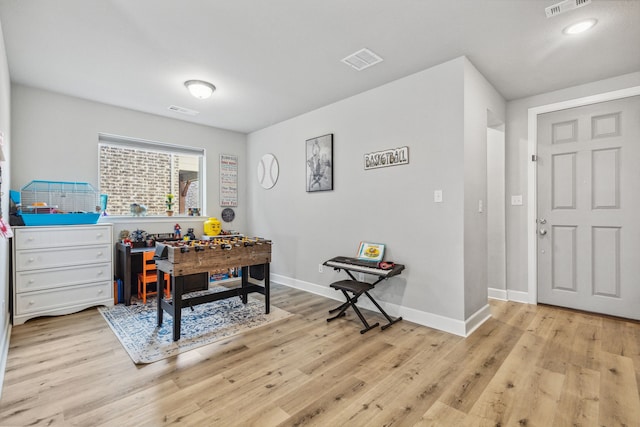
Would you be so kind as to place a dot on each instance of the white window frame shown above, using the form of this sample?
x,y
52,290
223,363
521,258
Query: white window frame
x,y
162,147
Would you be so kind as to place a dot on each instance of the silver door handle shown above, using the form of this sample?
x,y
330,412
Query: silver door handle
x,y
542,231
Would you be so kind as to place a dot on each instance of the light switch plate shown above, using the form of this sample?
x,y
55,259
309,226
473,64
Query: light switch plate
x,y
437,196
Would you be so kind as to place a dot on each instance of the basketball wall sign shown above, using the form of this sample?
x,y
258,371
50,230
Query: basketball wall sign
x,y
381,159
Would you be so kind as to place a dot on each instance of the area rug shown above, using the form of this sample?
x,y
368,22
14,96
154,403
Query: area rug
x,y
136,326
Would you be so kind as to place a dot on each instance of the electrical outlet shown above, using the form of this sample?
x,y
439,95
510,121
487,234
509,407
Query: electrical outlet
x,y
320,270
437,196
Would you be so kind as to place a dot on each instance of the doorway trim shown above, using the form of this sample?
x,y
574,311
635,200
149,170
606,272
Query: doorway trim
x,y
532,135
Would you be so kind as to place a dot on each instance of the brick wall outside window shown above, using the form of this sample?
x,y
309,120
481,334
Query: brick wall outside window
x,y
137,176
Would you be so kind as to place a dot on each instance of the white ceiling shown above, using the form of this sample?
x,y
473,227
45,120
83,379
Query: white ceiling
x,y
275,59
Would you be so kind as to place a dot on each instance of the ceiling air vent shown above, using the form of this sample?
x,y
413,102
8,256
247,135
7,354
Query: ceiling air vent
x,y
364,58
183,110
565,6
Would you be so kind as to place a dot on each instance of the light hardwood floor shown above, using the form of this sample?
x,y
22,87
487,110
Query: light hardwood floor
x,y
526,366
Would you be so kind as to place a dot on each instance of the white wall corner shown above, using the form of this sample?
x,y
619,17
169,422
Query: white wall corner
x,y
519,296
509,295
430,320
495,293
477,319
4,350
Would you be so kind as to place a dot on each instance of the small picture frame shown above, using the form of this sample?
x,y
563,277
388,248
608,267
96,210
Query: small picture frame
x,y
319,153
371,251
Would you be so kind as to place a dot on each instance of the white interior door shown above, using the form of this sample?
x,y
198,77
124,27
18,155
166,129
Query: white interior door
x,y
588,198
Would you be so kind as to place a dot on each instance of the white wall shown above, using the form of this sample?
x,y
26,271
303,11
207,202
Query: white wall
x,y
479,98
517,163
5,126
496,267
56,138
392,205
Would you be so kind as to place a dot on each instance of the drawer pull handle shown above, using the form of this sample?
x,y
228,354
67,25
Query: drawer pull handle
x,y
30,239
31,281
100,273
31,259
31,302
100,291
99,234
99,253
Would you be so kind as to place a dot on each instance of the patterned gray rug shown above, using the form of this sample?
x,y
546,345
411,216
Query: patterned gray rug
x,y
136,326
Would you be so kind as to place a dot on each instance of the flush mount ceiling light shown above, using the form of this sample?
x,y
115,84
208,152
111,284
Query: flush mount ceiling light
x,y
200,89
580,27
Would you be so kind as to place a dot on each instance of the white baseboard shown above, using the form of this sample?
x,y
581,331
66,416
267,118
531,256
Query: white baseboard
x,y
500,294
509,295
477,319
518,296
435,321
4,349
324,291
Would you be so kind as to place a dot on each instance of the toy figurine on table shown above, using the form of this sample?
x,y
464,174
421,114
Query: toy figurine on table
x,y
177,230
125,237
190,234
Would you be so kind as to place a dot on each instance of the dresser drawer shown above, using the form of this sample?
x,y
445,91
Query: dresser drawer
x,y
35,280
62,257
54,237
53,299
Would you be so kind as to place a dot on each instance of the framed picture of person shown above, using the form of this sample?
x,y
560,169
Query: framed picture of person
x,y
320,163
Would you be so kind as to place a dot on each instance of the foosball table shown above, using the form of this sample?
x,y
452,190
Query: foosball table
x,y
184,258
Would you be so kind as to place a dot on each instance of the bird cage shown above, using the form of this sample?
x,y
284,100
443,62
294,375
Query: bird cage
x,y
59,203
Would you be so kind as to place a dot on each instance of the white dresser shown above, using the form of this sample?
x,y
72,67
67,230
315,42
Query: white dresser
x,y
61,269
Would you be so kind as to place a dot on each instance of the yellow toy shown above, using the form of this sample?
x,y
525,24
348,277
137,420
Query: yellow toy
x,y
212,227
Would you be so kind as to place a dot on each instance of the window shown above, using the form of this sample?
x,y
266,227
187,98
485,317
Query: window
x,y
141,172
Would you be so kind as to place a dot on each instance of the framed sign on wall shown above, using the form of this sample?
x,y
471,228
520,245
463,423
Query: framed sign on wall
x,y
390,157
228,180
320,163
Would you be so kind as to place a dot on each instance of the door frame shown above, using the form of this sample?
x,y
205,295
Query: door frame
x,y
532,178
